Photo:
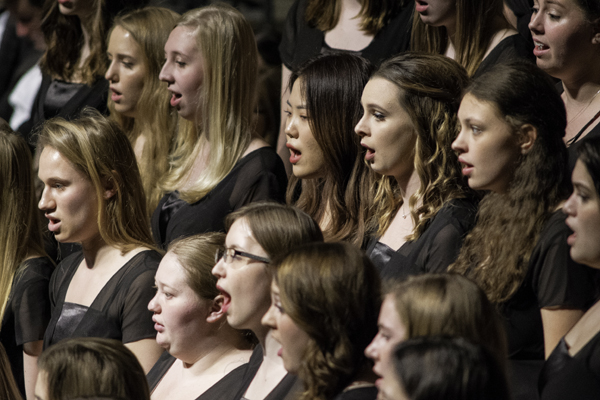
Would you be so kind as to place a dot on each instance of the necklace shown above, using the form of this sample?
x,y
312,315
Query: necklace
x,y
584,108
404,215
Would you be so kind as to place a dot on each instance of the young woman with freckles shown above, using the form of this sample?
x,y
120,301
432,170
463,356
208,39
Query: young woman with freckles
x,y
328,167
423,205
205,358
257,234
25,269
566,35
511,145
573,368
217,165
138,100
93,196
475,33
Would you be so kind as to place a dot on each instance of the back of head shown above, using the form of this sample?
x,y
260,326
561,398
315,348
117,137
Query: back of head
x,y
332,292
276,227
449,304
196,254
82,367
100,150
432,368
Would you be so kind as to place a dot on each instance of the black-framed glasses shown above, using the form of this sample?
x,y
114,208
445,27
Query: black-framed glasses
x,y
229,254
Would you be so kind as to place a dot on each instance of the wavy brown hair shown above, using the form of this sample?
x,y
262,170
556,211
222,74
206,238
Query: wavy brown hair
x,y
21,233
157,121
430,88
331,86
64,40
98,148
374,14
476,23
495,254
332,292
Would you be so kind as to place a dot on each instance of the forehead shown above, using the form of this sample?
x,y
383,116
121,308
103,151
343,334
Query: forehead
x,y
123,40
182,40
471,106
170,271
381,91
54,162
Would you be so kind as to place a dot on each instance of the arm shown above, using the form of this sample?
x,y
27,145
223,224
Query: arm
x,y
556,323
147,352
281,149
31,352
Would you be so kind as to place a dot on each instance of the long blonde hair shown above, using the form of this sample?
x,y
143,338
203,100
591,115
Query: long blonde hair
x,y
227,100
100,150
158,122
20,235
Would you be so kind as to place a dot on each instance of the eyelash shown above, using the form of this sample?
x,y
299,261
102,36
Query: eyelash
x,y
378,116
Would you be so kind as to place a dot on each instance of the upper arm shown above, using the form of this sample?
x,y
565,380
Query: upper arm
x,y
147,352
556,323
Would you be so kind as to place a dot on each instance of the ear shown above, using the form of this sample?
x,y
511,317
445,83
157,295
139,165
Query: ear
x,y
596,27
528,137
110,186
216,310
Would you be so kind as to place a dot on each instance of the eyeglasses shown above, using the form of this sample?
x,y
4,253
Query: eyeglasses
x,y
229,254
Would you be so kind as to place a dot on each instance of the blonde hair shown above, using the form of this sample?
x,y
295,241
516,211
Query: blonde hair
x,y
476,23
227,99
100,150
20,235
158,122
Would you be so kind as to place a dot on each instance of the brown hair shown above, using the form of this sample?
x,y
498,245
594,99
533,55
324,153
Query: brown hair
x,y
99,149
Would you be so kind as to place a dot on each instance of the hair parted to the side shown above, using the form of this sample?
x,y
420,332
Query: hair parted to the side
x,y
8,386
430,87
277,228
21,233
196,254
332,292
158,121
495,254
448,304
64,39
331,87
438,367
227,99
374,14
99,149
476,23
589,155
81,367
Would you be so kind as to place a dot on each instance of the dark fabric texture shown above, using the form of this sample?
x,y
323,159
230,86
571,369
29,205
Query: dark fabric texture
x,y
120,311
259,176
512,48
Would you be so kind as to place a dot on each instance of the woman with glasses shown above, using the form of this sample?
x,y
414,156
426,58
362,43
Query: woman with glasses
x,y
206,358
256,234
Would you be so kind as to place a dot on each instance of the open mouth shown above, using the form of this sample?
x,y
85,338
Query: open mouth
x,y
421,6
294,154
226,299
175,99
53,224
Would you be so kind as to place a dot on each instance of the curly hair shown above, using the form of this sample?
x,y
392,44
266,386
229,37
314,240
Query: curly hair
x,y
331,86
496,252
332,292
476,24
99,149
158,121
430,88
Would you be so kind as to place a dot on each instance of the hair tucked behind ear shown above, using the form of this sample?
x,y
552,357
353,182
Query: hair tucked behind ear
x,y
332,292
496,252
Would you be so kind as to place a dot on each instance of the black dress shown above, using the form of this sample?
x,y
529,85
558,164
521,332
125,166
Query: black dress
x,y
258,176
301,42
434,250
553,279
27,312
577,377
120,311
289,387
363,393
510,49
224,389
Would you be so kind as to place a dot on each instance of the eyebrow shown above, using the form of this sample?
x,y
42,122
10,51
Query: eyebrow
x,y
302,107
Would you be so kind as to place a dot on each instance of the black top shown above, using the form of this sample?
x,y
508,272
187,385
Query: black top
x,y
289,387
436,248
120,311
258,176
27,312
224,389
301,42
511,48
553,279
566,377
362,393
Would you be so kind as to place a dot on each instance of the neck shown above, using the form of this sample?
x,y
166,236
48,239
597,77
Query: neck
x,y
94,250
580,90
408,183
213,349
